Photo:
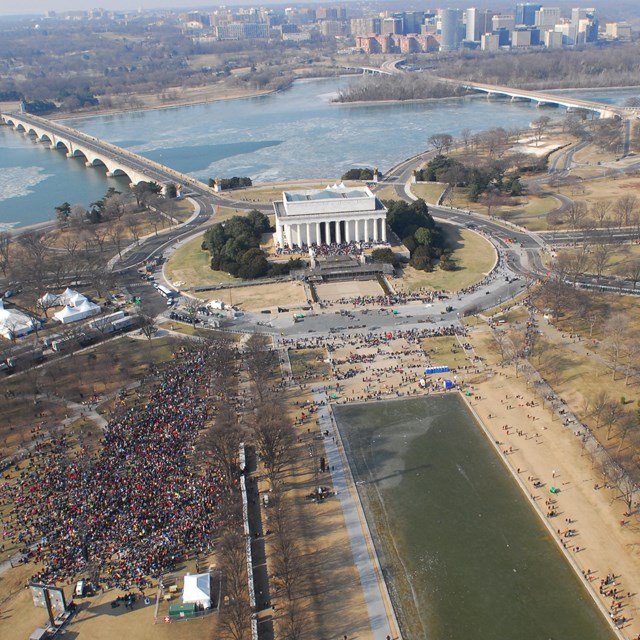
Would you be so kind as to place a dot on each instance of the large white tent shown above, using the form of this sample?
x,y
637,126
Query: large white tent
x,y
76,307
197,590
14,323
68,314
88,307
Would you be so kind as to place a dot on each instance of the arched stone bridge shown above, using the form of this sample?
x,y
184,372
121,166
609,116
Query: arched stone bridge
x,y
98,152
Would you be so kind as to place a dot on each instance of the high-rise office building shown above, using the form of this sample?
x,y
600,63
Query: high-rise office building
x,y
450,26
478,22
526,13
391,26
413,21
365,26
584,25
503,21
547,17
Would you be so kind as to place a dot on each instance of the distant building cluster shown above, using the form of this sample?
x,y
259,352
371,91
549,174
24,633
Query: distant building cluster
x,y
530,24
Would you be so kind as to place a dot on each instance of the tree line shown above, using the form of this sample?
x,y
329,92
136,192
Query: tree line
x,y
412,86
249,408
608,66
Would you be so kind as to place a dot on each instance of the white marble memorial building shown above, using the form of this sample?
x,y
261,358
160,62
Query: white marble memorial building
x,y
337,214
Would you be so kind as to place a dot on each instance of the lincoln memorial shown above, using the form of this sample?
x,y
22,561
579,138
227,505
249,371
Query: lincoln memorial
x,y
337,214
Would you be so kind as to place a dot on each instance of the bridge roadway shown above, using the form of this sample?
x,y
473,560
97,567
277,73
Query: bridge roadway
x,y
117,160
547,98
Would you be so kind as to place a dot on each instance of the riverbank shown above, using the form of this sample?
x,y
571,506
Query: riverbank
x,y
188,97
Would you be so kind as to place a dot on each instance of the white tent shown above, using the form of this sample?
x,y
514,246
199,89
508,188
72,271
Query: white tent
x,y
14,323
76,300
89,308
67,295
49,300
197,589
68,314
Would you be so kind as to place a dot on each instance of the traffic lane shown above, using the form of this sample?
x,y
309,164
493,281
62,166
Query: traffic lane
x,y
152,244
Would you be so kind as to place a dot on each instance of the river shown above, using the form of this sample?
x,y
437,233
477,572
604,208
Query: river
x,y
294,134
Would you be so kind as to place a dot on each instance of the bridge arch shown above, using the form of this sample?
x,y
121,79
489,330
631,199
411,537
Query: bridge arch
x,y
117,162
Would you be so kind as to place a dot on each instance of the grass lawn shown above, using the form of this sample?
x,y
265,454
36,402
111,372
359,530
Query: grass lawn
x,y
444,351
190,264
428,191
221,214
309,364
485,345
387,193
474,257
616,257
532,214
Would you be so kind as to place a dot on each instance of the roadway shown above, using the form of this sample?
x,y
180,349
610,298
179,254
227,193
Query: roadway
x,y
519,252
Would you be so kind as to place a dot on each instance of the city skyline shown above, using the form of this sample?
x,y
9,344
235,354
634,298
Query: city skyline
x,y
40,7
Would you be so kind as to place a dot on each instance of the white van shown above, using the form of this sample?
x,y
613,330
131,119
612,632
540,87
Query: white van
x,y
78,592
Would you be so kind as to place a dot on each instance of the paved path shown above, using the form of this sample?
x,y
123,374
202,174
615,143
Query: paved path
x,y
381,615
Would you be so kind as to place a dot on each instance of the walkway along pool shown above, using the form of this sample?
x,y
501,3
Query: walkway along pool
x,y
463,552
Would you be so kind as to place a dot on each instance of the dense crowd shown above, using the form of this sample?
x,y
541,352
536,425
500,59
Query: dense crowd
x,y
334,249
133,509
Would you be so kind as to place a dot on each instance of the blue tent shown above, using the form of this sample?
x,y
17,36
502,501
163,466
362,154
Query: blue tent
x,y
449,384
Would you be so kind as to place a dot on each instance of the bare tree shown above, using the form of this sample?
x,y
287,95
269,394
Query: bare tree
x,y
274,435
598,405
613,412
502,343
5,253
260,361
539,127
572,264
630,269
116,234
465,136
616,332
114,205
576,213
599,210
627,424
191,308
222,443
441,142
235,613
599,258
148,326
624,208
132,222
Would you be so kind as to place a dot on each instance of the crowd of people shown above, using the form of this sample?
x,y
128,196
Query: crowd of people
x,y
134,508
332,249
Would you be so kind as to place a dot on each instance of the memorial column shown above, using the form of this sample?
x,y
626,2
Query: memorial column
x,y
338,232
375,229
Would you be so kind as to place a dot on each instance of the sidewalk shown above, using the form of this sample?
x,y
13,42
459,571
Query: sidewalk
x,y
381,614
